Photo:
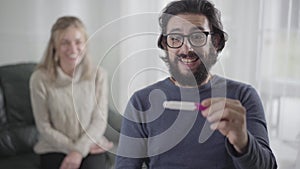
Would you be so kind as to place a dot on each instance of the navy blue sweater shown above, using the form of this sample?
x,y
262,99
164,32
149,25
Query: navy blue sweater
x,y
169,139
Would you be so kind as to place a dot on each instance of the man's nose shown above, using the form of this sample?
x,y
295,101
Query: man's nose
x,y
186,47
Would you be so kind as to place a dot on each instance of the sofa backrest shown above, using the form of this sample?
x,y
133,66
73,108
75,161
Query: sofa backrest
x,y
2,109
17,130
14,81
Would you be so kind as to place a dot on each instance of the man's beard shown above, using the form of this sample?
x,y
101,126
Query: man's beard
x,y
193,78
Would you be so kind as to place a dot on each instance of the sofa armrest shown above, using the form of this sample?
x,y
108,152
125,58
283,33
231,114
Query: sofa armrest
x,y
114,125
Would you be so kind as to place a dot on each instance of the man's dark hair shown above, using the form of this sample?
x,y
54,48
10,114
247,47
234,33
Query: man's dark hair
x,y
203,7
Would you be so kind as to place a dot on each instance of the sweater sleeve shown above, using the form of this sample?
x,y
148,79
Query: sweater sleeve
x,y
258,154
132,148
95,130
38,94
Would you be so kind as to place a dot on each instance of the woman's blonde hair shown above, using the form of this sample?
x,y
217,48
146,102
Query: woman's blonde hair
x,y
50,62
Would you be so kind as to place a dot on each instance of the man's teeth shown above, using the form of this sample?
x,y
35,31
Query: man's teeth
x,y
188,60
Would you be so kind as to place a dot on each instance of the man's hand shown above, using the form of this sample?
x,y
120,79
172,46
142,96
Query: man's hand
x,y
71,161
96,149
229,117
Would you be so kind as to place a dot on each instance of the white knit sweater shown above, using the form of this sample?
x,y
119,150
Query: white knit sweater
x,y
70,113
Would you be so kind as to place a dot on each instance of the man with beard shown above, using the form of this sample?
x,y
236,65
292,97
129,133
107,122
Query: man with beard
x,y
193,119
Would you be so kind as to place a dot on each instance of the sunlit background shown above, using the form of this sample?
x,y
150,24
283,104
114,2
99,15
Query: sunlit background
x,y
263,49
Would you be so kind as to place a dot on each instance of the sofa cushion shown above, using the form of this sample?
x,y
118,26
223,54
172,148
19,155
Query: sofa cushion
x,y
14,80
15,140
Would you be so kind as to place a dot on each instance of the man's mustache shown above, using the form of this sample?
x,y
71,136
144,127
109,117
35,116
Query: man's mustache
x,y
190,55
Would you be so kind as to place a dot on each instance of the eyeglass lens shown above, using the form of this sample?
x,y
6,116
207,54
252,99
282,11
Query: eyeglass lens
x,y
176,40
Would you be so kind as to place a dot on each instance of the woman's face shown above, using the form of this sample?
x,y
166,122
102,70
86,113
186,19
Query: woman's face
x,y
70,49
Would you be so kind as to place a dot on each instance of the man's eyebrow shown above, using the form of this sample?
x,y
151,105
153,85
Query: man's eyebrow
x,y
192,29
198,28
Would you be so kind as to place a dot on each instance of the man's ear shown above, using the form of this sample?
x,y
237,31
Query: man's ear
x,y
215,38
162,42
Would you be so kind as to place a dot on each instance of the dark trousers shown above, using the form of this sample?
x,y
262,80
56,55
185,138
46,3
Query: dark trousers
x,y
54,160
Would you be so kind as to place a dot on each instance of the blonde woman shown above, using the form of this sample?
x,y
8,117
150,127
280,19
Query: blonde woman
x,y
69,101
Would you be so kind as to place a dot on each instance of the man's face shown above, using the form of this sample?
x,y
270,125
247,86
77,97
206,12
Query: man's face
x,y
189,65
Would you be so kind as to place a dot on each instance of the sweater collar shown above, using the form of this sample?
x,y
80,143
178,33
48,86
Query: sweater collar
x,y
64,79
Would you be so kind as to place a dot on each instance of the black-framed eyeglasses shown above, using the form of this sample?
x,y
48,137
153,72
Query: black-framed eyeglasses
x,y
196,39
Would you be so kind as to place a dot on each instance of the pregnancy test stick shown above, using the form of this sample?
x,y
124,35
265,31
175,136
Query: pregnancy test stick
x,y
179,105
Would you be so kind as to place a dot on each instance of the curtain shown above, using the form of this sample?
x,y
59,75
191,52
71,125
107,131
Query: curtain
x,y
263,49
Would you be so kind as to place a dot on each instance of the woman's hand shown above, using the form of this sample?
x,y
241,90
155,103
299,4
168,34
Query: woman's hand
x,y
96,149
72,161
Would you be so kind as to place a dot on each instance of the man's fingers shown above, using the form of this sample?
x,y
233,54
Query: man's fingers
x,y
210,101
213,105
223,126
220,105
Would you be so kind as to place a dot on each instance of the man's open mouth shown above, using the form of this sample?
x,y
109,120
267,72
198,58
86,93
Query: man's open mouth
x,y
188,60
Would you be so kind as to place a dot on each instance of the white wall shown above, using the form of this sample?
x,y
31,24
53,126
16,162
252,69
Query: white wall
x,y
140,58
25,30
25,25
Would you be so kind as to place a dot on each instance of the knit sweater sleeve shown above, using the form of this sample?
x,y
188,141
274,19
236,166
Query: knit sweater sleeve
x,y
95,130
258,154
38,94
132,148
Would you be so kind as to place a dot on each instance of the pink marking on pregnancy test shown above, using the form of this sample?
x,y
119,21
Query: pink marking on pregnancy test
x,y
200,106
